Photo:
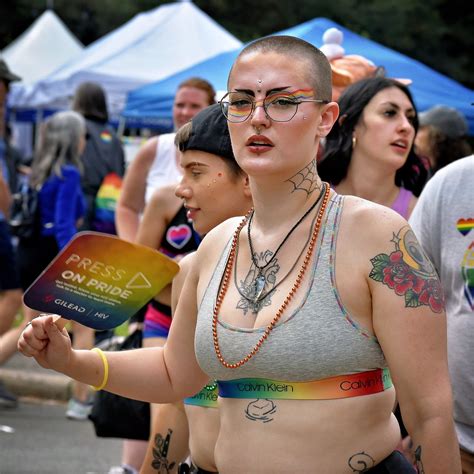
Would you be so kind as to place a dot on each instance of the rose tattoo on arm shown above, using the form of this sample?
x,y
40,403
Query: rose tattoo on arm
x,y
409,272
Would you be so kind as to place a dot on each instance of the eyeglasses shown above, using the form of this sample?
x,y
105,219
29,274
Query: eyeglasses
x,y
281,107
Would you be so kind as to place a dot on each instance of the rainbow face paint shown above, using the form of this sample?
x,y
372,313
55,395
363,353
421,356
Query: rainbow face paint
x,y
207,397
100,281
342,386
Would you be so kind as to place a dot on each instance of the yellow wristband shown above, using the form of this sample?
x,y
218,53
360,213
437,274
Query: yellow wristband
x,y
106,369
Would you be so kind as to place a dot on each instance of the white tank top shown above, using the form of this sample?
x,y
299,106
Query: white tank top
x,y
164,169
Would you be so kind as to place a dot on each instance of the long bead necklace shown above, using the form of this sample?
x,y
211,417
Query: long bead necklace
x,y
273,322
255,301
260,280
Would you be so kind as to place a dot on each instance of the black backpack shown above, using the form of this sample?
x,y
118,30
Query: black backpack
x,y
24,217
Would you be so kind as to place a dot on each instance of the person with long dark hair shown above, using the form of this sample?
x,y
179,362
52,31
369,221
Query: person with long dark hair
x,y
103,153
369,152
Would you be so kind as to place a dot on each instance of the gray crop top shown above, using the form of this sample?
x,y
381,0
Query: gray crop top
x,y
319,340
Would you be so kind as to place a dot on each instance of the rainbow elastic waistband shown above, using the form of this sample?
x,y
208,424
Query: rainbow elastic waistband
x,y
341,386
207,397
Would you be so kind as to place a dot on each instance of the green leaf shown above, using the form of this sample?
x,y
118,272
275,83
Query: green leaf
x,y
380,259
376,274
411,299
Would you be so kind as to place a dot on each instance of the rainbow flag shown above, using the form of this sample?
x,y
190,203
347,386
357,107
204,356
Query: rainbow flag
x,y
105,204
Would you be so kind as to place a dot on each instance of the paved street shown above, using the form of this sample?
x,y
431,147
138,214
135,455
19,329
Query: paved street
x,y
43,441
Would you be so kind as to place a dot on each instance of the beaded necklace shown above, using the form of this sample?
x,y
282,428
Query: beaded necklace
x,y
225,285
258,285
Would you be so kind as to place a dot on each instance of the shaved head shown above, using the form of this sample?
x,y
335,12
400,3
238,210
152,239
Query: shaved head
x,y
318,67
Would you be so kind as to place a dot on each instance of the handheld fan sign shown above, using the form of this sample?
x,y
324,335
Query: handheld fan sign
x,y
100,280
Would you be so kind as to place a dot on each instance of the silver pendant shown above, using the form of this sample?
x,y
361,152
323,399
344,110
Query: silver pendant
x,y
259,286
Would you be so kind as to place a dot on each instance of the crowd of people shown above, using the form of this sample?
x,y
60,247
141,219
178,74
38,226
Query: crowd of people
x,y
307,329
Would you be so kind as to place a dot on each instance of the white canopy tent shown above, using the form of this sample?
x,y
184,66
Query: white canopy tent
x,y
151,46
46,45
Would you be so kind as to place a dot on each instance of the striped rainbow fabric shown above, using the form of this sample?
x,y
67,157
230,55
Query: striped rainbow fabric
x,y
105,204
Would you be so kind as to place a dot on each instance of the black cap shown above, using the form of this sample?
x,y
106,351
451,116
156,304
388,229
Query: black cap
x,y
209,133
6,74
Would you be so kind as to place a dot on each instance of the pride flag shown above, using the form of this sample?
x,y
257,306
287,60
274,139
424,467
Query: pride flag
x,y
105,204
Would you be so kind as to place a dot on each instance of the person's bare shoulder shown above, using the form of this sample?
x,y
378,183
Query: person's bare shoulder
x,y
215,241
368,229
380,244
147,152
164,195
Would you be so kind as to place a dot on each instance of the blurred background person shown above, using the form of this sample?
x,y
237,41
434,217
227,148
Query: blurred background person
x,y
369,151
156,163
442,136
10,287
103,153
443,221
56,175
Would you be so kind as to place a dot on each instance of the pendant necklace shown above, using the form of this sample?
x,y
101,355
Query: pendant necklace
x,y
256,306
260,281
225,285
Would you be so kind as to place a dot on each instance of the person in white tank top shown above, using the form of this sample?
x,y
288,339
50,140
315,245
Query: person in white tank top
x,y
156,163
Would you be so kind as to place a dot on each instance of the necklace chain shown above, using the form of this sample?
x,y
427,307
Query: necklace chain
x,y
297,284
300,220
257,299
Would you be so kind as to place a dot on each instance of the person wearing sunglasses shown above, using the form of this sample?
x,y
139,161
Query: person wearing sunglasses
x,y
299,309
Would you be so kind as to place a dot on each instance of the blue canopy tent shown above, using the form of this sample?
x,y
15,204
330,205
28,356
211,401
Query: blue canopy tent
x,y
149,47
429,87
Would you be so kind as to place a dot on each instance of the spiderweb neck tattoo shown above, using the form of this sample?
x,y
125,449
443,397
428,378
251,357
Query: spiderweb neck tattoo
x,y
306,179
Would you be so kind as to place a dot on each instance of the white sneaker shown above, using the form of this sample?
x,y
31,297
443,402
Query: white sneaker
x,y
77,410
123,469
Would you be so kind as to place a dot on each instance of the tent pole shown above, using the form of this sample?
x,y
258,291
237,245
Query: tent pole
x,y
121,126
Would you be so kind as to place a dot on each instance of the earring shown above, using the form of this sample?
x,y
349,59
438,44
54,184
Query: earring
x,y
354,141
304,117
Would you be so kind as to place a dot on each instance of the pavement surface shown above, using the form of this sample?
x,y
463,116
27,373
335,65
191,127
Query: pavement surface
x,y
37,438
25,378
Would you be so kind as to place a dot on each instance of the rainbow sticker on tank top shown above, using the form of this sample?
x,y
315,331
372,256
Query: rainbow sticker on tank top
x,y
106,137
465,225
341,386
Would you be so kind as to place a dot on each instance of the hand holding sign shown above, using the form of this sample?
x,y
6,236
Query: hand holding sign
x,y
100,281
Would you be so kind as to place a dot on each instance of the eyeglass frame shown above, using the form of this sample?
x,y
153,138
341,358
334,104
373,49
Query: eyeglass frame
x,y
261,103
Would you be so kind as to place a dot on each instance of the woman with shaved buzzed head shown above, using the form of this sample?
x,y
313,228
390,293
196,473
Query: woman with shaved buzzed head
x,y
299,309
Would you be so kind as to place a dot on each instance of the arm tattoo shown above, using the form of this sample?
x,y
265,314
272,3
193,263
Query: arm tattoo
x,y
261,409
160,454
409,272
361,462
257,288
306,179
418,461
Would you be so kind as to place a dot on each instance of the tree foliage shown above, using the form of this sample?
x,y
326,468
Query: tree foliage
x,y
436,32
